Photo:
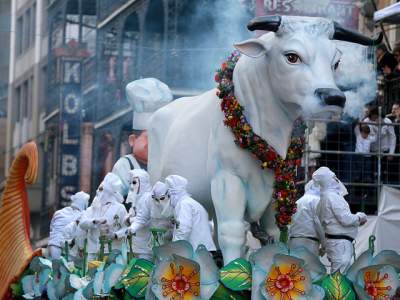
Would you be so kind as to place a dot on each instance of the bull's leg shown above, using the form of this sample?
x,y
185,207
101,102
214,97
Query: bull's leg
x,y
228,195
267,222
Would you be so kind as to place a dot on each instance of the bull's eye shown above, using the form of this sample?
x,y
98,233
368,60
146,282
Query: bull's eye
x,y
293,58
336,65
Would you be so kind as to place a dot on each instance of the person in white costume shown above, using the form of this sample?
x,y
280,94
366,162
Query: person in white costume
x,y
62,218
306,229
340,225
154,212
191,218
75,237
105,216
139,193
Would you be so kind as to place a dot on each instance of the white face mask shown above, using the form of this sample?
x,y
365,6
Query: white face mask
x,y
163,202
134,189
342,189
131,198
103,196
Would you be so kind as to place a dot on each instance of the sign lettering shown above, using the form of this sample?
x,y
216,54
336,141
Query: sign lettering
x,y
70,118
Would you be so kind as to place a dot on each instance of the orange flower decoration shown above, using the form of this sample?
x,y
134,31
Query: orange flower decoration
x,y
375,285
179,279
287,279
377,282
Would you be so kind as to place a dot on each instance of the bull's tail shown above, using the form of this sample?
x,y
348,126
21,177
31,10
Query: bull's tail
x,y
15,248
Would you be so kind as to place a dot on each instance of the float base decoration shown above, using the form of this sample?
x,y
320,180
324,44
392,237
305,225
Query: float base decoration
x,y
180,272
16,251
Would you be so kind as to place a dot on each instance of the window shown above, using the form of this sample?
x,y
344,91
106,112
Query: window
x,y
32,35
18,97
25,100
30,98
72,21
43,87
26,30
19,36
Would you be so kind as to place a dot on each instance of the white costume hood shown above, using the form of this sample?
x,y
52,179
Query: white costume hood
x,y
109,190
80,201
176,187
327,180
312,188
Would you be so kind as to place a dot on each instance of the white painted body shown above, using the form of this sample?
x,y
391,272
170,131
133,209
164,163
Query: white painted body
x,y
188,137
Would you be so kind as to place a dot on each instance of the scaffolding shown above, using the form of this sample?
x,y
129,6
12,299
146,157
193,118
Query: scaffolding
x,y
332,144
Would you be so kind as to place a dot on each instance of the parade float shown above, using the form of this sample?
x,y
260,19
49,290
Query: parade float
x,y
239,146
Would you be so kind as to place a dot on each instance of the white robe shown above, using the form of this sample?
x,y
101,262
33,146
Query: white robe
x,y
149,216
115,214
73,232
192,224
336,219
306,224
61,218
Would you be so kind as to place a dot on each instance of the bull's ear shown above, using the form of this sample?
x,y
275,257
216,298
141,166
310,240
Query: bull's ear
x,y
252,47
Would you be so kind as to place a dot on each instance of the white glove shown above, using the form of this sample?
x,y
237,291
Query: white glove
x,y
127,220
121,233
362,217
130,230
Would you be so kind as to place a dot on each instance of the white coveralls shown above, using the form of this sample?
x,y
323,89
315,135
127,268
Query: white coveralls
x,y
73,233
62,218
339,223
139,191
191,218
306,229
154,212
105,216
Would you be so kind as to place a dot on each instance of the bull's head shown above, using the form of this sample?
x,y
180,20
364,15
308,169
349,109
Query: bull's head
x,y
301,59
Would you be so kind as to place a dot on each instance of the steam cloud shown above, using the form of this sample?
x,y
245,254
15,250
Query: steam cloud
x,y
356,76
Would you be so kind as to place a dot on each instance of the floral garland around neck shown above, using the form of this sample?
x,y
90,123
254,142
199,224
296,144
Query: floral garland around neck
x,y
284,195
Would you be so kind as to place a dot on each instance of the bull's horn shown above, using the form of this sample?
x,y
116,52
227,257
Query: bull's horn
x,y
343,34
269,23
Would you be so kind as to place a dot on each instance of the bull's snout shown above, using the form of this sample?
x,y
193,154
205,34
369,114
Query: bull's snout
x,y
331,96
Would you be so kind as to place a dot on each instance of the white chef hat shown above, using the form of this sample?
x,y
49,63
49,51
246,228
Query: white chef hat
x,y
146,96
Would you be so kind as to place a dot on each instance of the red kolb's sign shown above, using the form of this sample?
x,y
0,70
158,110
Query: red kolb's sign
x,y
344,12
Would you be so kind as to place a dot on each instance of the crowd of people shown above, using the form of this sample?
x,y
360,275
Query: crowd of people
x,y
97,230
388,64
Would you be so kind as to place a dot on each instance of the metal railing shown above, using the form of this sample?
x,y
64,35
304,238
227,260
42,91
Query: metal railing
x,y
364,174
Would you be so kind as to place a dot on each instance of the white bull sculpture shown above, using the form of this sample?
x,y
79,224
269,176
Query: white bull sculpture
x,y
282,75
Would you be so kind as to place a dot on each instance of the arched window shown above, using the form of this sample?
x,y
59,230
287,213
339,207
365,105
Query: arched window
x,y
89,19
72,21
130,48
153,43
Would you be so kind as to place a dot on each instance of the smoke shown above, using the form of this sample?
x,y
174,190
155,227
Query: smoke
x,y
212,27
356,77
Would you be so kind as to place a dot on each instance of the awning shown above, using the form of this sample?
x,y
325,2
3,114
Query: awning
x,y
389,15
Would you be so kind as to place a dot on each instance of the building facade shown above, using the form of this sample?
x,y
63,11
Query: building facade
x,y
5,23
26,89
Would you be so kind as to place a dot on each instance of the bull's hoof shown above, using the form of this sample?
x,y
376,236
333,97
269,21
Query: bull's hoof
x,y
261,235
